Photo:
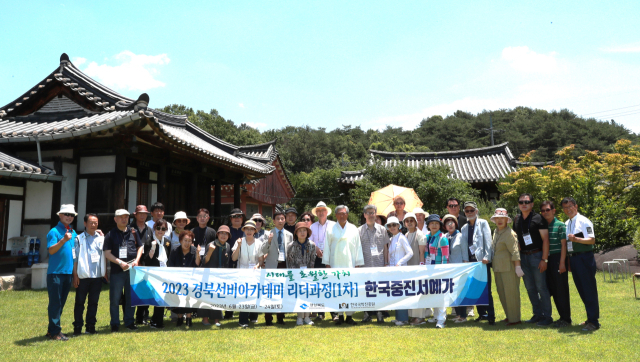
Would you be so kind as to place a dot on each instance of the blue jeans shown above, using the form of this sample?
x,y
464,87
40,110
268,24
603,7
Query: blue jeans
x,y
116,284
583,268
402,315
58,286
536,284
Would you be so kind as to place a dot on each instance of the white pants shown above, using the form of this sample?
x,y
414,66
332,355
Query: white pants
x,y
303,315
440,314
428,312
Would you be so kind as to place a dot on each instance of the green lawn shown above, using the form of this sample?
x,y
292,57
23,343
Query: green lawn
x,y
23,316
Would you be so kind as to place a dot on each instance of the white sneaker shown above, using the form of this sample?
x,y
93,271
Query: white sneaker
x,y
254,321
299,322
460,320
401,323
308,321
432,320
440,325
471,313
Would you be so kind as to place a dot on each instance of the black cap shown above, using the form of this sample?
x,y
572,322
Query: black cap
x,y
236,211
291,209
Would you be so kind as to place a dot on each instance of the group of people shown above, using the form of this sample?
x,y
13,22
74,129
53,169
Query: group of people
x,y
539,249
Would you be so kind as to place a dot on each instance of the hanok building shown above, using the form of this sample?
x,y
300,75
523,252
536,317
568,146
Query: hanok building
x,y
261,195
71,140
480,167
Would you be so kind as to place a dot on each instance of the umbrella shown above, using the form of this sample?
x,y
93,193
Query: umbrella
x,y
383,199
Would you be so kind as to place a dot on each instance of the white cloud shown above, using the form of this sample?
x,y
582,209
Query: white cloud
x,y
526,60
256,125
133,71
78,61
627,48
240,105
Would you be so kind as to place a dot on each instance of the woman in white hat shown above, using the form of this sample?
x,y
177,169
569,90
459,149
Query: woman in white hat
x,y
421,215
180,221
246,252
418,243
400,253
506,266
260,222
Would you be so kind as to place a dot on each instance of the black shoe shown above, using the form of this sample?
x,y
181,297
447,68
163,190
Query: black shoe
x,y
386,314
189,323
534,319
156,326
492,323
77,332
179,322
132,327
115,328
139,323
350,321
268,323
340,320
481,318
366,319
280,322
90,331
544,322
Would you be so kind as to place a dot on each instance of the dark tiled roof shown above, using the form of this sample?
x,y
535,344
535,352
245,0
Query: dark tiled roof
x,y
14,167
478,165
265,152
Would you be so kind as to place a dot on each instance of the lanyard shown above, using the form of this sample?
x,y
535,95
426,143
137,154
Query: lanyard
x,y
529,226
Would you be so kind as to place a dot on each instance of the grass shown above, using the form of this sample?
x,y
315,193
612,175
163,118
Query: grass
x,y
23,318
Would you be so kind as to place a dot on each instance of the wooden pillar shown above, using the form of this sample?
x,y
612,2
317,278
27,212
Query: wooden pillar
x,y
162,185
57,194
217,202
236,195
193,195
119,182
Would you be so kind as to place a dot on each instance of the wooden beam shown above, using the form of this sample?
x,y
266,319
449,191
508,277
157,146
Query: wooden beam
x,y
119,182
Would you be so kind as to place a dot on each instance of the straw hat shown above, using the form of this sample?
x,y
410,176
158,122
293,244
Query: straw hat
x,y
249,224
259,217
321,205
418,210
500,213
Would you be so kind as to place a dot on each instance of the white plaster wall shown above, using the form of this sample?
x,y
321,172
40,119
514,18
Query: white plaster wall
x,y
154,193
11,190
15,218
68,189
38,200
82,202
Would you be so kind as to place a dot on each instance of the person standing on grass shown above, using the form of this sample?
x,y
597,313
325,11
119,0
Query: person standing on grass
x,y
203,236
260,222
438,253
343,249
248,255
218,255
318,233
399,254
418,243
122,242
506,266
375,243
144,233
453,208
60,269
557,276
290,215
421,216
301,254
458,253
89,268
399,204
157,213
186,256
533,238
158,256
580,241
274,253
478,235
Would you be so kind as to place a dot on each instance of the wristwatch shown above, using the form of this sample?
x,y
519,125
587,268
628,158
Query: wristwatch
x,y
546,260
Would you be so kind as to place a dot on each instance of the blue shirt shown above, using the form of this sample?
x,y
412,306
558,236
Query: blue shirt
x,y
62,261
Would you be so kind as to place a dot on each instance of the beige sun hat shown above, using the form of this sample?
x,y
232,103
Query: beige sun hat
x,y
321,205
500,213
180,215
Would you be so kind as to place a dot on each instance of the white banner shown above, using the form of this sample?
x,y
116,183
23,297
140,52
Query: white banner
x,y
311,290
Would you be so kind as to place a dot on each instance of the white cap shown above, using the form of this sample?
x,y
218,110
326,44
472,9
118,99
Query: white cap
x,y
121,212
67,209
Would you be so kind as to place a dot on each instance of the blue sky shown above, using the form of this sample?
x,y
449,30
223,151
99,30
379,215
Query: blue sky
x,y
328,64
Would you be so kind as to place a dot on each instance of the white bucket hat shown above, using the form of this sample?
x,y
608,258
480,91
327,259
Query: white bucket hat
x,y
392,220
180,215
500,213
67,209
321,205
408,215
418,210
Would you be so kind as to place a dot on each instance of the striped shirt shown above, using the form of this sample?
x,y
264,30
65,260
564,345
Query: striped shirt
x,y
373,244
557,232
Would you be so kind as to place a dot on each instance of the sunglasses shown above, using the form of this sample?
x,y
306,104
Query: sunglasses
x,y
236,216
469,211
546,210
67,214
453,206
162,229
257,220
394,225
306,219
525,202
450,223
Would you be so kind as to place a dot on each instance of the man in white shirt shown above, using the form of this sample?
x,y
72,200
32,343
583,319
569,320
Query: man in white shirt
x,y
157,213
343,249
581,238
318,233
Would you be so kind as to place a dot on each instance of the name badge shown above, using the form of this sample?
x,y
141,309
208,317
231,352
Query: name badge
x,y
374,249
281,256
201,251
252,266
73,253
123,252
303,267
527,239
473,249
95,257
427,259
569,246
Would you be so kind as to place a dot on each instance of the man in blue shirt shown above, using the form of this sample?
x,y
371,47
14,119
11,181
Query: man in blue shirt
x,y
60,269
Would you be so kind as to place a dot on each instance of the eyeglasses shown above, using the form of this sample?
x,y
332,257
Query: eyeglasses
x,y
69,215
452,206
525,202
203,216
163,229
369,213
546,210
469,211
398,203
306,219
236,216
257,220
